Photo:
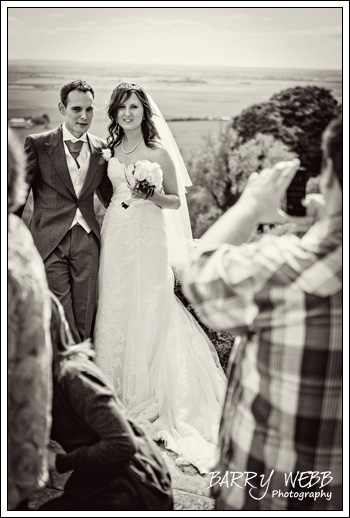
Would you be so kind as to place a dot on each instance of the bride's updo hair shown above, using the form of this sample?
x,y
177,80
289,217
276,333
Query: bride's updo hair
x,y
115,132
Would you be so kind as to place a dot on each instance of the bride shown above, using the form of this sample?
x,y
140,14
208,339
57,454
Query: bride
x,y
163,366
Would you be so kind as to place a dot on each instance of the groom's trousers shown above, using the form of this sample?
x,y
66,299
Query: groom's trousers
x,y
71,271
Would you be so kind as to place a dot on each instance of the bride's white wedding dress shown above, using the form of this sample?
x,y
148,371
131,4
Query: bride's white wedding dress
x,y
162,365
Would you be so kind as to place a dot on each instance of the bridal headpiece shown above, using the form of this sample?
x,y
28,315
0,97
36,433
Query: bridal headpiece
x,y
128,86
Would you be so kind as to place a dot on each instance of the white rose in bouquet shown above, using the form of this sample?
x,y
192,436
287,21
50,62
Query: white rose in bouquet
x,y
155,176
140,170
148,175
148,178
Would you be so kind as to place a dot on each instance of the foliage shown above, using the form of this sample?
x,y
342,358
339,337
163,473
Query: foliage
x,y
211,192
220,172
213,157
290,124
203,210
296,116
277,230
264,118
258,153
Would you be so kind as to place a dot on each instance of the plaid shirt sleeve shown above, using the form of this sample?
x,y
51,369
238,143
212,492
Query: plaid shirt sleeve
x,y
222,283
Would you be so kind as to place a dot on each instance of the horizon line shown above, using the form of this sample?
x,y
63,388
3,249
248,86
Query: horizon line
x,y
207,65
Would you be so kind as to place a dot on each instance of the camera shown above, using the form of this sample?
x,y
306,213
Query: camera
x,y
296,193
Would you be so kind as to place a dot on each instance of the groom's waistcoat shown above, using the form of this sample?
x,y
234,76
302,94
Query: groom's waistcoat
x,y
55,200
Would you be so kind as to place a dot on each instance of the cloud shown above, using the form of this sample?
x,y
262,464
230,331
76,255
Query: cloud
x,y
178,39
265,19
133,21
324,35
91,23
84,27
330,34
324,30
14,23
236,17
56,16
177,23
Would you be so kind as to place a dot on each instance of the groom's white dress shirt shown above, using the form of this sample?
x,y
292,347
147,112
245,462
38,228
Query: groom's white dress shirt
x,y
77,174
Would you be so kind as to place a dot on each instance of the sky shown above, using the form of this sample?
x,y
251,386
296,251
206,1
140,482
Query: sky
x,y
288,37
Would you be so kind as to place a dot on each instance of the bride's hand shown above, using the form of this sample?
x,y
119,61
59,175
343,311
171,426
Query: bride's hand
x,y
141,195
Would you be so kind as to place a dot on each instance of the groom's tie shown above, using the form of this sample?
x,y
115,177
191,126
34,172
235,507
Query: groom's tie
x,y
74,149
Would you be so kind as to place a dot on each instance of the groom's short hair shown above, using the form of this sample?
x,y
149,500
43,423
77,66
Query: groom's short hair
x,y
78,84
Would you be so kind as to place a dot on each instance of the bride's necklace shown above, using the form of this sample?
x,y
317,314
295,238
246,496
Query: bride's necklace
x,y
133,149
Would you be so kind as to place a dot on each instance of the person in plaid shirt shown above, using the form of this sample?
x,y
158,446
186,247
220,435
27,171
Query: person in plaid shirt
x,y
281,429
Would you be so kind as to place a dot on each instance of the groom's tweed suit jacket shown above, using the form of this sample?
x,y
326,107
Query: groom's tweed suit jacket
x,y
55,201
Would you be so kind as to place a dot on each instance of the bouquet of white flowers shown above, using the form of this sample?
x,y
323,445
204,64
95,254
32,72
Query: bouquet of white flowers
x,y
148,177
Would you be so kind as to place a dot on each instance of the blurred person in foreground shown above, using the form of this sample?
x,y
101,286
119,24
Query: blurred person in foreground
x,y
115,465
64,169
29,347
283,411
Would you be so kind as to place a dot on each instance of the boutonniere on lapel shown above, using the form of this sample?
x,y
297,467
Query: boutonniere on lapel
x,y
106,153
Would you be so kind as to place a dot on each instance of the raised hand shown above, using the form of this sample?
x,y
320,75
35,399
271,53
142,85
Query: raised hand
x,y
264,192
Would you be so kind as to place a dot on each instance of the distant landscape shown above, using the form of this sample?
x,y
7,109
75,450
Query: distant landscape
x,y
210,96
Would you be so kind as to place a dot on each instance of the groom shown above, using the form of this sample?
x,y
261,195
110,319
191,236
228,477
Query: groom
x,y
65,167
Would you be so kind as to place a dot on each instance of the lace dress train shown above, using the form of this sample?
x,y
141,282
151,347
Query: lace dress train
x,y
162,365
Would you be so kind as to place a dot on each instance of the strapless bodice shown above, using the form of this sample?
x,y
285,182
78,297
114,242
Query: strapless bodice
x,y
121,176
